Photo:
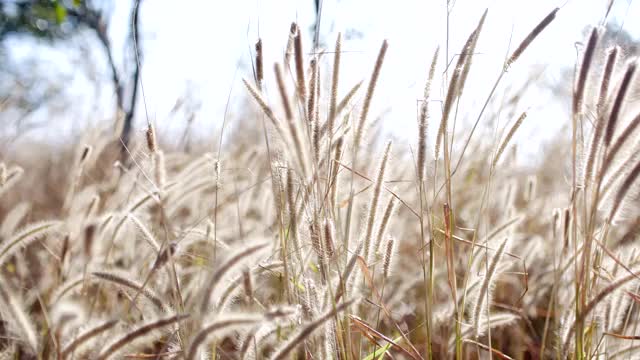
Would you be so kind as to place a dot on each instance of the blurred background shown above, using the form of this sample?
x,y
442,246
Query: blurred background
x,y
66,65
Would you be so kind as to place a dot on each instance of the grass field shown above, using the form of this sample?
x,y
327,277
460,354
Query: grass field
x,y
309,235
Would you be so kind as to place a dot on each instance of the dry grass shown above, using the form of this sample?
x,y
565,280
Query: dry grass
x,y
304,240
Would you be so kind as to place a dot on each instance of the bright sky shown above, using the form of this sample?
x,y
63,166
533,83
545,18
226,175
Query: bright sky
x,y
196,47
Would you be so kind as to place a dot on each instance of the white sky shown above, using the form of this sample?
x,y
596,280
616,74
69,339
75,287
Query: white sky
x,y
196,46
209,38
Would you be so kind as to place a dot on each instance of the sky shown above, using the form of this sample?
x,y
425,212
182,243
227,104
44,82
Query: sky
x,y
202,49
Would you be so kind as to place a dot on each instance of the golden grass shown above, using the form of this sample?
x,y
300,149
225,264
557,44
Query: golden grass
x,y
304,238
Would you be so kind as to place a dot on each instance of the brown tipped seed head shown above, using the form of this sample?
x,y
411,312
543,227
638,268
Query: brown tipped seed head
x,y
289,49
247,283
313,84
329,238
259,63
316,239
388,256
89,236
600,120
86,151
151,139
532,36
65,248
566,221
584,71
138,332
623,190
454,89
470,50
87,335
606,79
618,103
299,58
620,141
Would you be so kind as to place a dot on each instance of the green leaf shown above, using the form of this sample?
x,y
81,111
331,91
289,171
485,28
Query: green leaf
x,y
379,354
297,284
61,13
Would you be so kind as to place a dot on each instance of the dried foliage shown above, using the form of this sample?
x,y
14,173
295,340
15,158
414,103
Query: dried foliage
x,y
325,250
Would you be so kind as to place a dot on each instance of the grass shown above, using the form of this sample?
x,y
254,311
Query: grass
x,y
303,239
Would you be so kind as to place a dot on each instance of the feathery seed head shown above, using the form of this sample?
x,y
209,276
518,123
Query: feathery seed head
x,y
259,64
532,36
618,102
388,257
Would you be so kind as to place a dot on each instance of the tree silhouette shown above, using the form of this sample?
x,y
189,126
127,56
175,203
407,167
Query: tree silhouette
x,y
58,20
